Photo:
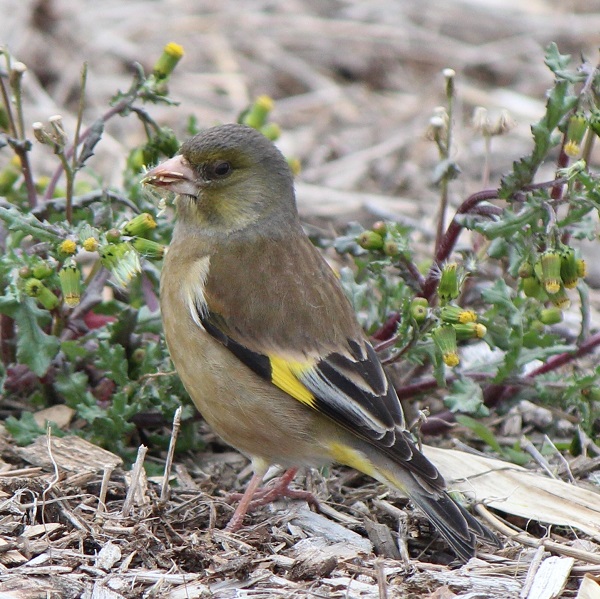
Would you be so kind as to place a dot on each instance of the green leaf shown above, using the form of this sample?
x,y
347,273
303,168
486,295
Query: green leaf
x,y
112,359
466,396
35,348
481,430
30,225
24,430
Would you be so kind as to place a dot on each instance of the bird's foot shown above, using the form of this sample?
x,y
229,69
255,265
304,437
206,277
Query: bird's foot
x,y
254,497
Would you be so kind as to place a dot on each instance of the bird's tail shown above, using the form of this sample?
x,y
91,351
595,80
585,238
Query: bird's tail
x,y
418,478
454,522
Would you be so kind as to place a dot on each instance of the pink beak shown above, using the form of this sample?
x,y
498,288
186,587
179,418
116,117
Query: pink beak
x,y
175,175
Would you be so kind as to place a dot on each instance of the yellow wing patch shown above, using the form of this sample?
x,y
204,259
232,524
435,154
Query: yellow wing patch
x,y
284,375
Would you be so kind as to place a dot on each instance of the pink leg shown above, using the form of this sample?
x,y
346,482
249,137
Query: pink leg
x,y
253,498
238,516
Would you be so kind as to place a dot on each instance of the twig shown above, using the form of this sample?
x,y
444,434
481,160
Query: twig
x,y
116,109
530,541
448,241
562,459
531,449
164,492
106,474
533,568
135,479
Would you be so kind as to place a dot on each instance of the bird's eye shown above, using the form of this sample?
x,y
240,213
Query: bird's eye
x,y
221,169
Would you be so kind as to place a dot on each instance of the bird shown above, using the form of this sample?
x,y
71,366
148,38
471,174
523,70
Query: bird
x,y
265,340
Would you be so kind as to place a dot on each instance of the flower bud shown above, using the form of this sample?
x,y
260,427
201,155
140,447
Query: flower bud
x,y
122,261
560,299
581,268
35,288
140,225
455,315
70,283
526,269
444,337
448,288
369,240
572,149
164,66
568,267
419,308
379,227
90,244
294,165
504,123
149,249
59,134
271,131
550,264
481,122
533,288
469,330
25,272
550,316
391,248
577,127
256,115
42,270
113,235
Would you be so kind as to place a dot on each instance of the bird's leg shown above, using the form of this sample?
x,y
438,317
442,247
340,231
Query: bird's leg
x,y
253,497
238,516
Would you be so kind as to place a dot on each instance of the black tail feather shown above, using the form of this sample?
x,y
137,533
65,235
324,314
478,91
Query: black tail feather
x,y
455,523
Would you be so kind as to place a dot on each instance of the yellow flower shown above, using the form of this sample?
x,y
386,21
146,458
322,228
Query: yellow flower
x,y
67,248
90,244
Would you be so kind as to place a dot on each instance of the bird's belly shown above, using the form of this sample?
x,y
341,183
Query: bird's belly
x,y
248,412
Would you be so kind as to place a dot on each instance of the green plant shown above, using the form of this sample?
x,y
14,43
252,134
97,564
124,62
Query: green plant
x,y
527,240
79,272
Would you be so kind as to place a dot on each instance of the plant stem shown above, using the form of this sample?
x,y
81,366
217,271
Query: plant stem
x,y
19,143
448,241
116,109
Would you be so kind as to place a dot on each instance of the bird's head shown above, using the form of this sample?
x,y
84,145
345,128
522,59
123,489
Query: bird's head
x,y
228,178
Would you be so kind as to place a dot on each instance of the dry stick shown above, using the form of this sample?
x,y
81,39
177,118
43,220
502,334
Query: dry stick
x,y
531,449
107,473
381,580
135,479
561,458
528,540
533,568
164,492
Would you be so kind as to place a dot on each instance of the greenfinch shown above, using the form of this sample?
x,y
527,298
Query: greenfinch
x,y
264,339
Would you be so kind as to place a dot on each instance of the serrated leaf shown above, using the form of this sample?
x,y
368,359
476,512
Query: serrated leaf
x,y
466,396
24,430
35,348
30,225
112,359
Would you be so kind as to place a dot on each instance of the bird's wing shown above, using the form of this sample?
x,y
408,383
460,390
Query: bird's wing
x,y
350,387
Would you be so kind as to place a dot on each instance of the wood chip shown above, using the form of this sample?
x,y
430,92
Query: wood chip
x,y
72,454
551,578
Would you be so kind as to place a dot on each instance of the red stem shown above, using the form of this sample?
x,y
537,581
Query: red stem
x,y
449,239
